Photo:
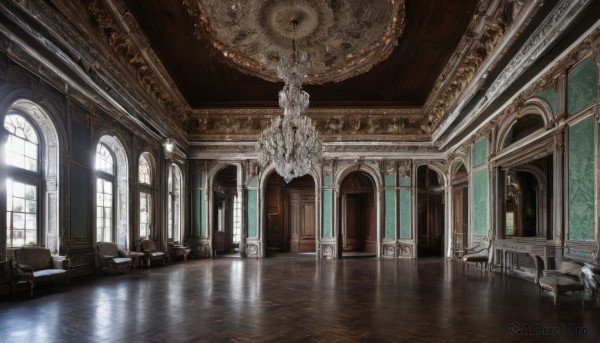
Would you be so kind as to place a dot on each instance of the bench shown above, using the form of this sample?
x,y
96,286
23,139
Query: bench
x,y
36,265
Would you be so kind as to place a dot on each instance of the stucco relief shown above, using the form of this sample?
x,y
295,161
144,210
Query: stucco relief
x,y
342,39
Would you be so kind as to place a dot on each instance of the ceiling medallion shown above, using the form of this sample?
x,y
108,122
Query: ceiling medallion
x,y
342,38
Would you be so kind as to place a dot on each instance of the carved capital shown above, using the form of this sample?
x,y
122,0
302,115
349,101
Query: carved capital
x,y
404,168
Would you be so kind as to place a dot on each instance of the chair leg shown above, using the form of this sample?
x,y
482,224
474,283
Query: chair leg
x,y
555,296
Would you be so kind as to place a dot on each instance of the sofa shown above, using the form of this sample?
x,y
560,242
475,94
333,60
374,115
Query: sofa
x,y
36,265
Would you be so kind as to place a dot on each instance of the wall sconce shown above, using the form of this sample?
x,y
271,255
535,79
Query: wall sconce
x,y
168,147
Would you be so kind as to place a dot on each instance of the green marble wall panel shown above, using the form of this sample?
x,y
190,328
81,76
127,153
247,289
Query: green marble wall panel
x,y
253,181
196,212
480,152
404,181
327,213
390,180
390,214
196,180
404,213
550,96
480,201
581,180
252,213
327,180
582,85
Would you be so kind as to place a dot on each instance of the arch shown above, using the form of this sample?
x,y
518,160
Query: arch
x,y
458,207
49,169
339,176
224,209
534,108
146,175
431,212
262,222
357,214
174,203
121,190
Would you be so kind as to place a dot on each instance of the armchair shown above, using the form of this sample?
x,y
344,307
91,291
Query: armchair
x,y
150,251
36,265
566,278
480,254
108,255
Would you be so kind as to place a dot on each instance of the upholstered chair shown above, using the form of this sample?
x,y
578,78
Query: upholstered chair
x,y
151,253
108,255
568,278
36,265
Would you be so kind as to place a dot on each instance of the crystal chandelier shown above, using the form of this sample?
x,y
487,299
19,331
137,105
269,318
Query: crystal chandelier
x,y
291,142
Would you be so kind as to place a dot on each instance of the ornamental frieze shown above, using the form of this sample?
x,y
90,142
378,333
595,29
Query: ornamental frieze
x,y
354,127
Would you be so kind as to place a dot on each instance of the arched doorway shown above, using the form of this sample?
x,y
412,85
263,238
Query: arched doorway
x,y
430,212
460,209
357,213
291,213
226,211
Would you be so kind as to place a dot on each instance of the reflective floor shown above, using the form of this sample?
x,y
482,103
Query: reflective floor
x,y
295,298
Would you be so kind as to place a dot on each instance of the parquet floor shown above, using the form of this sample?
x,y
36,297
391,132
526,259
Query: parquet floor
x,y
296,298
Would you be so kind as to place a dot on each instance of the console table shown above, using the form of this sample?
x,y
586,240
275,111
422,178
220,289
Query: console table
x,y
538,250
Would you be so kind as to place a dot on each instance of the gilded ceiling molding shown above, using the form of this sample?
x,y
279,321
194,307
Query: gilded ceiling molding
x,y
476,49
331,124
122,45
342,39
537,44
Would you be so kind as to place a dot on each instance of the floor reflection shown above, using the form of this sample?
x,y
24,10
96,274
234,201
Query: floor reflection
x,y
288,297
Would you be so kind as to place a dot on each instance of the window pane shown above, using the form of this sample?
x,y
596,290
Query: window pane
x,y
104,159
144,173
22,143
21,213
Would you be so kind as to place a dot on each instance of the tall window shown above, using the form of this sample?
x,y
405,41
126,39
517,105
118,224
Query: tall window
x,y
237,218
23,182
145,184
112,191
105,190
174,204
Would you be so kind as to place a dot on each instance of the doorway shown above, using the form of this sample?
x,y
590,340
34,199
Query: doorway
x,y
460,210
291,214
226,212
358,216
430,212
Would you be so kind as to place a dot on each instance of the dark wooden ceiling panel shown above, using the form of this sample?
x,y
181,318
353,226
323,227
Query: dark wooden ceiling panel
x,y
433,30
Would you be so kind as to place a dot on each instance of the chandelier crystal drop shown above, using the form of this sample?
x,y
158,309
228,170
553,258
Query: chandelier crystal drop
x,y
291,142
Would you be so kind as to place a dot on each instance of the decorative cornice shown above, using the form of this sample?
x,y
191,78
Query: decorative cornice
x,y
121,43
537,43
493,29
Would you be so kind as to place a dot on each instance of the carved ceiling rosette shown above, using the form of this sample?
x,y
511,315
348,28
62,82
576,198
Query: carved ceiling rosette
x,y
342,38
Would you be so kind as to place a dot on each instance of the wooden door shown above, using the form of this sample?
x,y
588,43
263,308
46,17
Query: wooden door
x,y
302,221
275,232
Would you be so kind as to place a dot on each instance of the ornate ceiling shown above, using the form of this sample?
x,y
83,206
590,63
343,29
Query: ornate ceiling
x,y
395,74
342,38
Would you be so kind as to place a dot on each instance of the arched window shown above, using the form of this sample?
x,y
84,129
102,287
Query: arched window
x,y
23,182
145,189
174,204
111,193
105,190
31,159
